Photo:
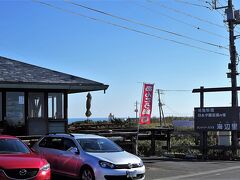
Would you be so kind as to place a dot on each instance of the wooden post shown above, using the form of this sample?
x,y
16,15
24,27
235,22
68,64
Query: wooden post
x,y
45,106
65,109
168,141
153,144
203,135
134,144
26,105
4,104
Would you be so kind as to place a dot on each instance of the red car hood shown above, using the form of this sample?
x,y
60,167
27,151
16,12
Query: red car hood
x,y
15,161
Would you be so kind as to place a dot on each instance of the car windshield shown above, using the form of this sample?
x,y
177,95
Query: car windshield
x,y
98,145
12,146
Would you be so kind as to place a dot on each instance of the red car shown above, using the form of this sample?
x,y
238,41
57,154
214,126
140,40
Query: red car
x,y
17,161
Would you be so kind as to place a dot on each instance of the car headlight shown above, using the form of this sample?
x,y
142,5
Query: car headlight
x,y
46,167
105,164
140,164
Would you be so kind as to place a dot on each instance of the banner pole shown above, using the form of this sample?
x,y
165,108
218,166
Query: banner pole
x,y
138,127
137,136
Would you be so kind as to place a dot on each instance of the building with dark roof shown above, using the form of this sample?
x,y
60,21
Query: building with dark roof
x,y
33,100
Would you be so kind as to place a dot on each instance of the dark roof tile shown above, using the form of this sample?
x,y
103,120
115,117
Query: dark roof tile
x,y
13,71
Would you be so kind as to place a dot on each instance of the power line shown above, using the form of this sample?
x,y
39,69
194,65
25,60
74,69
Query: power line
x,y
130,29
221,12
175,112
179,114
182,22
177,90
191,4
184,13
224,13
145,25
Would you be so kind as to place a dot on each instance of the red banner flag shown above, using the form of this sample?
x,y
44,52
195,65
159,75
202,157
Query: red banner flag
x,y
146,108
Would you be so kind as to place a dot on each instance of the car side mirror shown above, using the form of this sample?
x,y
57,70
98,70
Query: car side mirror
x,y
74,150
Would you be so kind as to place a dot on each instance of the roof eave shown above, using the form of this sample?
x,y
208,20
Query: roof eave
x,y
69,88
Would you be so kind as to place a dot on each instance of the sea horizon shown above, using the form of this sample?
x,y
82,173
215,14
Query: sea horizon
x,y
71,120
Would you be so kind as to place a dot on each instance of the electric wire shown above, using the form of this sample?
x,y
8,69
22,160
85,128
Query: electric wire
x,y
208,3
128,28
145,25
173,111
181,21
191,4
184,13
222,13
177,90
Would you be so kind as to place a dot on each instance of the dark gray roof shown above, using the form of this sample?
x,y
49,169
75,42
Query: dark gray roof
x,y
16,74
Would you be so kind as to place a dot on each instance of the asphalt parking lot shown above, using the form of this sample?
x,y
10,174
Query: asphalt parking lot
x,y
157,169
166,169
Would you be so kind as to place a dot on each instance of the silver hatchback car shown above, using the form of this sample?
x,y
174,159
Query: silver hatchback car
x,y
89,157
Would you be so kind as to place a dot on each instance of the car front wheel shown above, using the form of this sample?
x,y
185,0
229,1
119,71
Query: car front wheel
x,y
87,174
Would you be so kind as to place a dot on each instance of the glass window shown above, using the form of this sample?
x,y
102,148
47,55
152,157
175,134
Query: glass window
x,y
12,146
15,109
44,142
52,142
98,145
36,105
68,144
55,106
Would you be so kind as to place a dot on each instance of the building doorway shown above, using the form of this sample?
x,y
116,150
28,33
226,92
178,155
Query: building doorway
x,y
37,124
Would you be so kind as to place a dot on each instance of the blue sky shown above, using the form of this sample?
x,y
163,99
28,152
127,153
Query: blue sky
x,y
35,33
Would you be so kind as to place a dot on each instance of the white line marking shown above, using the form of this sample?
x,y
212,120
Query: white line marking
x,y
200,173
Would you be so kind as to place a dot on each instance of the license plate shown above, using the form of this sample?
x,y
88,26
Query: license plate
x,y
131,174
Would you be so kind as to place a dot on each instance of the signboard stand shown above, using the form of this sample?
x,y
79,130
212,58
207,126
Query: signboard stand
x,y
216,119
203,135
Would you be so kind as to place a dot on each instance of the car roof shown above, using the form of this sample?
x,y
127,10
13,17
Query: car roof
x,y
84,136
7,137
76,136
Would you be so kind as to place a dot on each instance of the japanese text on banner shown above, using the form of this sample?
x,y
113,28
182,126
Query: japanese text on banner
x,y
146,108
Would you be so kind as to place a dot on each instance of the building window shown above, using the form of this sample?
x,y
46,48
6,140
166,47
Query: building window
x,y
15,109
55,106
36,105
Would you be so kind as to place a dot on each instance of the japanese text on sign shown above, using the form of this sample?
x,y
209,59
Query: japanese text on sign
x,y
146,108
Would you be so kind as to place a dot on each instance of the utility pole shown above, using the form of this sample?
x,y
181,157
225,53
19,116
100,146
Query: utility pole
x,y
136,110
160,105
233,54
138,126
233,18
233,68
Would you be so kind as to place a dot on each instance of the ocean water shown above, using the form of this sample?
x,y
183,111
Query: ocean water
x,y
71,120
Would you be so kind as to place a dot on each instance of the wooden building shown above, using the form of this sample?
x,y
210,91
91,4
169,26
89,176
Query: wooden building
x,y
34,100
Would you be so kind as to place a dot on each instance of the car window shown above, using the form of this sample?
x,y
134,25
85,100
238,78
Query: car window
x,y
52,142
68,144
12,146
98,145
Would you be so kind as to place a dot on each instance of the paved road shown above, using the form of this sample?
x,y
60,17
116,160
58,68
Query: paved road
x,y
158,169
187,170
